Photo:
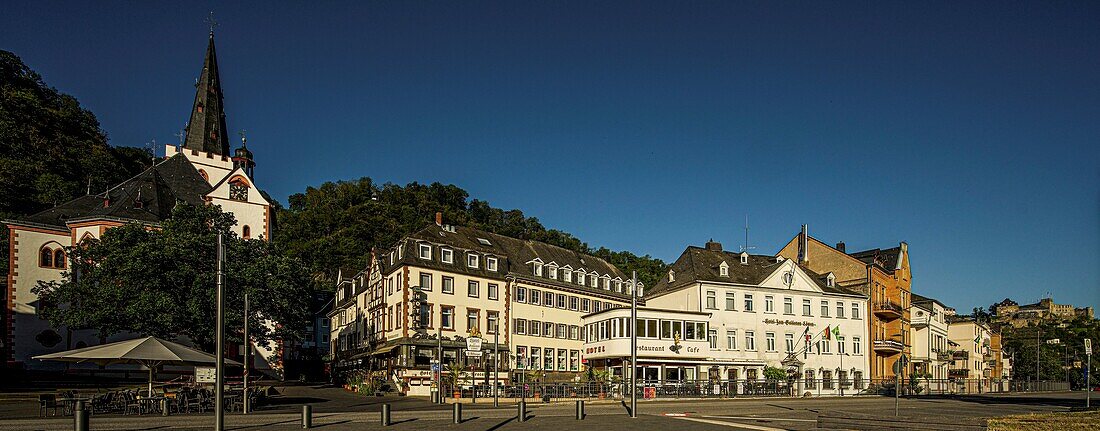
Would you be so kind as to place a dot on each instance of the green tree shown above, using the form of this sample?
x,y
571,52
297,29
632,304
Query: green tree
x,y
51,149
335,225
1058,362
161,281
774,373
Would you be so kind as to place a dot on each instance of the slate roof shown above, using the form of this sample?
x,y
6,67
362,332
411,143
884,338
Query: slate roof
x,y
698,264
920,299
206,131
512,255
887,259
158,188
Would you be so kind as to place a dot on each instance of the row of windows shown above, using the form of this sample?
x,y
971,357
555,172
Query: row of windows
x,y
535,358
535,328
827,379
447,255
473,287
749,305
565,302
580,277
821,346
619,327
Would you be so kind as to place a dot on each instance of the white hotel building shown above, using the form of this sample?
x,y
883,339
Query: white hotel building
x,y
532,292
723,316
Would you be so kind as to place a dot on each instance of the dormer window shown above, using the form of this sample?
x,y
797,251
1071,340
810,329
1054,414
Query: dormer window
x,y
724,269
538,269
618,286
606,283
580,278
595,280
446,255
425,251
491,263
472,260
830,280
671,276
744,258
567,275
553,272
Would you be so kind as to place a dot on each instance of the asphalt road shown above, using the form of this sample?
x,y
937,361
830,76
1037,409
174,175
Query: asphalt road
x,y
683,415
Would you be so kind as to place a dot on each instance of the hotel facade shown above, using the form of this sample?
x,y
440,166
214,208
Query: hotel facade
x,y
436,287
724,317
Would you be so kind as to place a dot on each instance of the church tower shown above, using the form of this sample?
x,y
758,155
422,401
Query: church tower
x,y
206,131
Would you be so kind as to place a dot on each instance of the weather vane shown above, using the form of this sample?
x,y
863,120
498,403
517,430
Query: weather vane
x,y
211,22
242,132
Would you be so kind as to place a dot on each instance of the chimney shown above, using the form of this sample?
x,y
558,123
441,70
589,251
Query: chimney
x,y
803,253
714,246
439,219
840,246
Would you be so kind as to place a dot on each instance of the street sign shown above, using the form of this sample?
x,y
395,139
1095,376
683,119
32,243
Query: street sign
x,y
1054,341
204,375
473,353
901,364
435,367
1088,346
474,344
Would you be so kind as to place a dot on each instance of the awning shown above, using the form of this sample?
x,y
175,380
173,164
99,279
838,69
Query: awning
x,y
375,352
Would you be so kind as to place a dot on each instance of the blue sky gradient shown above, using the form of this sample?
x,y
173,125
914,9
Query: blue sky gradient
x,y
969,131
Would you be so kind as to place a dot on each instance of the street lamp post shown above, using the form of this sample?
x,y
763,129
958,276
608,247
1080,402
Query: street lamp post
x,y
247,348
219,367
634,344
496,363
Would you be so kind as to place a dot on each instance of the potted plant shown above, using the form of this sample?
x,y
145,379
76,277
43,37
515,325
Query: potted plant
x,y
454,378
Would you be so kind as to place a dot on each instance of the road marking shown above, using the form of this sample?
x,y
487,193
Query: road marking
x,y
750,418
732,424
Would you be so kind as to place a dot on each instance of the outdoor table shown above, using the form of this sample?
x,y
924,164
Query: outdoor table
x,y
150,404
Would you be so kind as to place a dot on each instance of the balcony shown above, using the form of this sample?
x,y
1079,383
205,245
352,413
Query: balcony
x,y
943,355
960,355
888,310
888,346
959,373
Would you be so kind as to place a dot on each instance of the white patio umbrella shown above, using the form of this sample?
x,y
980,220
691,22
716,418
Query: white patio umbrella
x,y
151,352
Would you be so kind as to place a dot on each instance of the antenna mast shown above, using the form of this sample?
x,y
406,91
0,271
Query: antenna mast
x,y
746,247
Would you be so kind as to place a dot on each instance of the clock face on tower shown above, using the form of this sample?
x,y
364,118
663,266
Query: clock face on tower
x,y
238,191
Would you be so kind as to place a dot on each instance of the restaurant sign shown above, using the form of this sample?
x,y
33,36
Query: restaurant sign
x,y
789,322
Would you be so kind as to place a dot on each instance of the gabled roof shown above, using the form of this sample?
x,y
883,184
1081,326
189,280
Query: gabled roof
x,y
698,264
157,188
920,299
512,255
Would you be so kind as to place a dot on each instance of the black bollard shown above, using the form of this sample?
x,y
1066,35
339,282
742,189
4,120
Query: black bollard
x,y
307,416
456,412
386,415
580,410
522,414
80,420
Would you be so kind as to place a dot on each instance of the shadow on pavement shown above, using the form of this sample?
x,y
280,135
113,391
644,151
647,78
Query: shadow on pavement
x,y
505,422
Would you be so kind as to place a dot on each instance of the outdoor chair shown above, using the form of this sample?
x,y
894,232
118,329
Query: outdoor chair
x,y
131,404
47,402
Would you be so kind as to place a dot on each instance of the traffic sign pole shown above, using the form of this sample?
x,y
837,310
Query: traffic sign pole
x,y
1088,372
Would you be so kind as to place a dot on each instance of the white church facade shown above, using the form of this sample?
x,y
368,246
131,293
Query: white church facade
x,y
201,171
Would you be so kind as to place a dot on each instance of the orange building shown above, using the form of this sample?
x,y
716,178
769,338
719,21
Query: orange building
x,y
882,275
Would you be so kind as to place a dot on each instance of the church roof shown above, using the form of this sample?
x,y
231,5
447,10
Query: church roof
x,y
147,197
206,131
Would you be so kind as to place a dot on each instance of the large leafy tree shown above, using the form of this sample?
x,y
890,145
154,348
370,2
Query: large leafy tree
x,y
335,225
51,148
161,281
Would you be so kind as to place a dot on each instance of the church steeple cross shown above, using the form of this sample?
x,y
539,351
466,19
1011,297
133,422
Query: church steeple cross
x,y
210,21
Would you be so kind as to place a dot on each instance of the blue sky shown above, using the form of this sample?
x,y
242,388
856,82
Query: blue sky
x,y
968,131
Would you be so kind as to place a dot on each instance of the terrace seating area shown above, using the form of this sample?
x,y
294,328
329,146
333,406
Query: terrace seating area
x,y
164,400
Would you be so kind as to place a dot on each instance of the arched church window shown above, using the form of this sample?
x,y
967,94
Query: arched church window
x,y
59,258
45,257
246,232
205,176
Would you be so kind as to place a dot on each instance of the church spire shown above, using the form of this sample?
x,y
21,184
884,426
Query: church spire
x,y
206,130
